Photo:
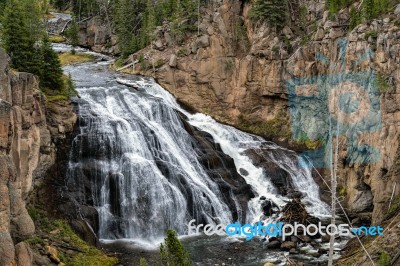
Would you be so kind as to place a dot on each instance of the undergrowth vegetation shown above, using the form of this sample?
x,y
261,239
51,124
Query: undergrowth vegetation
x,y
58,233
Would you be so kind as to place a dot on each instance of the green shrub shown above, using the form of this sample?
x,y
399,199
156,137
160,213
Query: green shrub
x,y
183,52
89,255
33,240
384,259
40,217
382,83
372,34
143,262
279,126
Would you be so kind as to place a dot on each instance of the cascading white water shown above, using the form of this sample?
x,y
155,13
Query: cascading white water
x,y
134,160
235,142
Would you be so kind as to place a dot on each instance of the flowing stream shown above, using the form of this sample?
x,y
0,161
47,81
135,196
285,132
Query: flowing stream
x,y
147,165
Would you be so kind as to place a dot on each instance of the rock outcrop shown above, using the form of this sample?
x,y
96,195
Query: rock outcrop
x,y
97,35
27,150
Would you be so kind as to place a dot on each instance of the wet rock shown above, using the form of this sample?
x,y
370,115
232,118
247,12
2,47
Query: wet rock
x,y
243,172
294,239
287,245
304,238
325,238
293,251
296,194
269,207
323,250
274,244
278,176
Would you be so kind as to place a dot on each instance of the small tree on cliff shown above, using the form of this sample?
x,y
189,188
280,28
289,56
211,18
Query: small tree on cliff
x,y
172,251
273,11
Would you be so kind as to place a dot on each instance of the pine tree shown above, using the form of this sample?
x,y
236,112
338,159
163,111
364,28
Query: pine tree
x,y
128,22
173,252
51,74
72,34
150,20
16,36
273,11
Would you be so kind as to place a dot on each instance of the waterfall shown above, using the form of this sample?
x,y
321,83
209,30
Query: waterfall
x,y
147,165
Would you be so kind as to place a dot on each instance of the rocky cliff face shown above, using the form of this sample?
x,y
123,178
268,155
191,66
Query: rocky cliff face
x,y
27,150
237,71
97,34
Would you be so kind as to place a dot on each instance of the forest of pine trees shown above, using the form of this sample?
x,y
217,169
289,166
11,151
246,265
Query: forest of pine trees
x,y
24,38
135,21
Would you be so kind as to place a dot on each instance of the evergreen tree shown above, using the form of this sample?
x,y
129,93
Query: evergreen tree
x,y
51,74
128,21
85,8
59,4
147,32
172,251
72,34
273,11
16,35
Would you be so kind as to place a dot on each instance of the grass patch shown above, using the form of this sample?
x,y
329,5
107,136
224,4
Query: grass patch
x,y
382,83
40,217
64,94
89,256
33,240
159,63
70,58
182,52
276,127
311,144
56,38
372,34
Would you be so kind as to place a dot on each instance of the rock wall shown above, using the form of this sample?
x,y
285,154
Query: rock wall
x,y
96,34
236,71
26,152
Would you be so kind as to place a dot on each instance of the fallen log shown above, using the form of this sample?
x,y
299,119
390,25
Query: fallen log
x,y
127,83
